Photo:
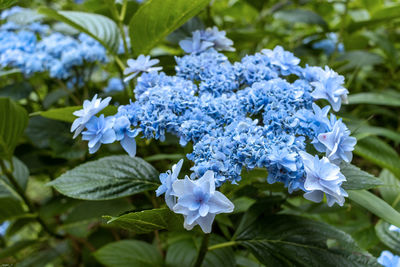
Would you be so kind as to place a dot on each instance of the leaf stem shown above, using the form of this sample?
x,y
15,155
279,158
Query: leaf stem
x,y
222,245
8,173
202,252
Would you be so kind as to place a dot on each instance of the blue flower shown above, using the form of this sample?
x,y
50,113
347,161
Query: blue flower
x,y
218,38
283,158
126,134
394,228
337,143
90,108
141,64
387,259
3,227
167,179
284,60
329,86
99,131
328,45
196,44
198,201
114,85
322,177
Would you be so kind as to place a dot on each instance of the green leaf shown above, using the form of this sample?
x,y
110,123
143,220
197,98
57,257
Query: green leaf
x,y
20,172
97,26
146,221
384,98
365,131
375,205
108,178
359,58
81,217
10,208
358,179
389,238
158,157
13,120
16,91
285,240
301,15
381,16
25,17
380,153
390,192
129,253
65,114
45,257
183,249
16,247
155,19
6,3
8,72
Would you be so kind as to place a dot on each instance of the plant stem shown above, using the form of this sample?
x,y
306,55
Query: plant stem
x,y
222,245
28,203
203,250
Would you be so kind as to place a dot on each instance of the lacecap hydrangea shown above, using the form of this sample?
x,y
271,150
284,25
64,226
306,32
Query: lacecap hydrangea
x,y
260,112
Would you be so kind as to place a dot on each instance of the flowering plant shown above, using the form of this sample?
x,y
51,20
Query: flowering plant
x,y
154,140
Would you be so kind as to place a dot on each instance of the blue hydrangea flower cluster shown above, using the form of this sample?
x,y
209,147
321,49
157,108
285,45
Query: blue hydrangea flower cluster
x,y
260,112
387,259
35,48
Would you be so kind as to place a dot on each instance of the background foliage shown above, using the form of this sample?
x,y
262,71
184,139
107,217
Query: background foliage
x,y
93,212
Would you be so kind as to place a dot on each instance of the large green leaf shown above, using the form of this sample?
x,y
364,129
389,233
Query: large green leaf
x,y
65,114
129,253
13,120
380,153
108,178
97,26
183,249
358,179
375,205
390,192
155,19
284,240
389,238
384,98
147,220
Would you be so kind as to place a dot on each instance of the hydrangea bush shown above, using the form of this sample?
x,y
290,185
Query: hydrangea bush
x,y
133,135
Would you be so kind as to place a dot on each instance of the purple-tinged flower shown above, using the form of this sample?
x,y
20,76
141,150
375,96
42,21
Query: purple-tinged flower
x,y
141,64
90,108
329,86
337,143
218,38
167,179
196,44
198,201
323,177
99,131
387,259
